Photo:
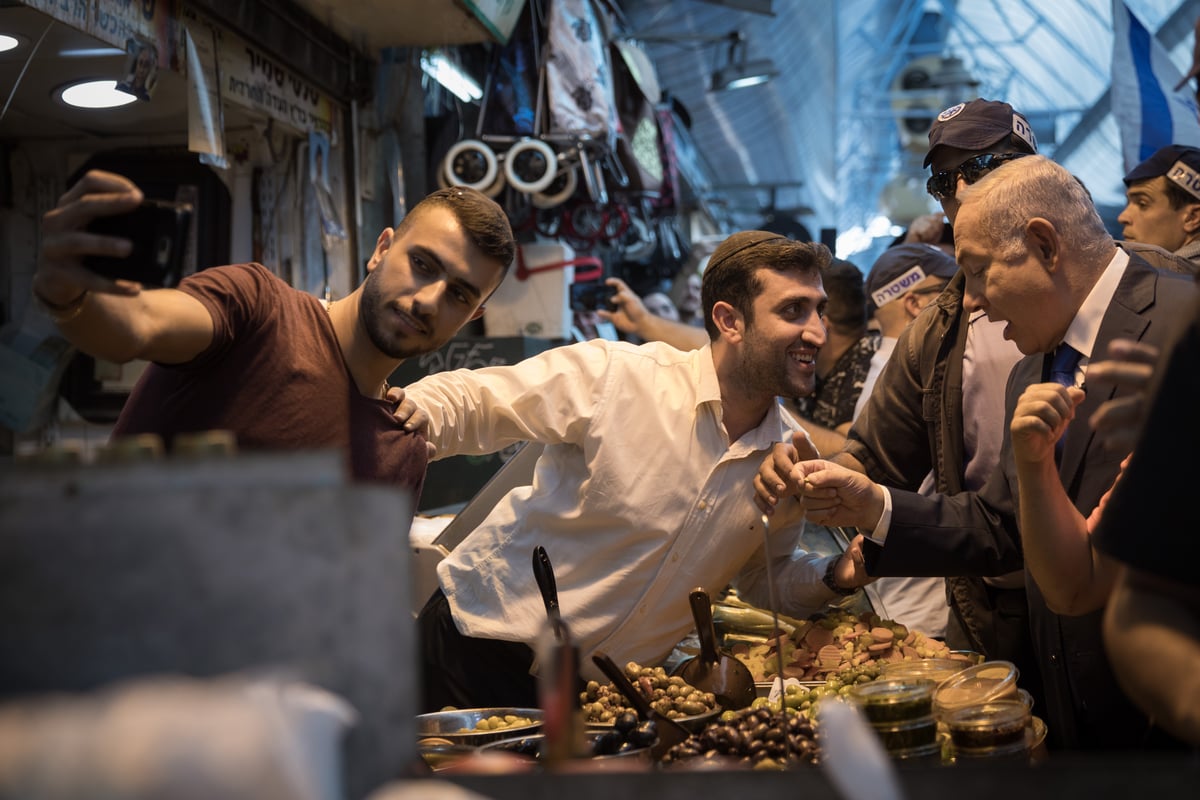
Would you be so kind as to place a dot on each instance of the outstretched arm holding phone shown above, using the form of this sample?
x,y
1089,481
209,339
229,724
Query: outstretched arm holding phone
x,y
631,316
111,319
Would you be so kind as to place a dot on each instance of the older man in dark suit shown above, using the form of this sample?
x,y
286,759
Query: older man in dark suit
x,y
1035,255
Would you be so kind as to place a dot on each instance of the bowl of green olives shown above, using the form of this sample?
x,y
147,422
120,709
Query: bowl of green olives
x,y
669,695
477,726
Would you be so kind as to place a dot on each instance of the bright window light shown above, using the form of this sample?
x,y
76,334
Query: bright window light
x,y
858,239
7,43
96,94
90,52
438,67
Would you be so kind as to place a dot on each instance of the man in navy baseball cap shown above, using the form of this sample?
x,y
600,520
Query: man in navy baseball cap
x,y
909,268
1163,208
970,139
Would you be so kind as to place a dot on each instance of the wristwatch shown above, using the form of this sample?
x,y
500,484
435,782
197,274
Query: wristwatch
x,y
830,582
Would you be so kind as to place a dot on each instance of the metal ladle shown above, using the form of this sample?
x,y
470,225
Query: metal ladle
x,y
715,670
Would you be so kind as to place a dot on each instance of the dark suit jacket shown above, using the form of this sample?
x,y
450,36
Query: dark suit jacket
x,y
975,533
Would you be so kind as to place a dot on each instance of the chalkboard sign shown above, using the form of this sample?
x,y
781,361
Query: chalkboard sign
x,y
455,480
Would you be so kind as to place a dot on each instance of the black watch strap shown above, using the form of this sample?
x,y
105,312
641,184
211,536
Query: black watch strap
x,y
829,581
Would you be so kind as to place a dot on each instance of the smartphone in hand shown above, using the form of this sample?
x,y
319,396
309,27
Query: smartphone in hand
x,y
592,296
159,232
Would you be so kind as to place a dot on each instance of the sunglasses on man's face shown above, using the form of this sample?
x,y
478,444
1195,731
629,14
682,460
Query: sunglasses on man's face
x,y
943,185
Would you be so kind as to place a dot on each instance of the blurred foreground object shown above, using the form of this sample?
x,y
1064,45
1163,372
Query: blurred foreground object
x,y
209,565
175,739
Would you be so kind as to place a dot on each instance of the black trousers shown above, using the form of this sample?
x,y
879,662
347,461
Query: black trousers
x,y
466,672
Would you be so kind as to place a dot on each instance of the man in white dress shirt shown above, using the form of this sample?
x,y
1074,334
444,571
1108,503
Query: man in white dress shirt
x,y
642,492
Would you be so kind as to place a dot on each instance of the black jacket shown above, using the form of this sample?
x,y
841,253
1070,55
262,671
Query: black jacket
x,y
913,422
976,532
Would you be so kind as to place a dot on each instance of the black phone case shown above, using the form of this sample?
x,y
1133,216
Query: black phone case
x,y
592,297
159,232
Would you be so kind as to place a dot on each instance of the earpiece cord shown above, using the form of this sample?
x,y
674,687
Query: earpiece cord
x,y
24,69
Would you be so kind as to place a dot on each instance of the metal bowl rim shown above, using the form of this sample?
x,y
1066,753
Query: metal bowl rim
x,y
469,717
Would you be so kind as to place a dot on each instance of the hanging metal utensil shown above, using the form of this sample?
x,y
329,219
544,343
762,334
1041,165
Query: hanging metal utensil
x,y
774,599
715,670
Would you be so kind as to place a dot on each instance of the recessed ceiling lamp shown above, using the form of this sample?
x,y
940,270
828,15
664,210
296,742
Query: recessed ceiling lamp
x,y
95,94
449,75
8,42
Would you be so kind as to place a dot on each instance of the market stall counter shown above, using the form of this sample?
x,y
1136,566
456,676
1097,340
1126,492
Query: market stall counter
x,y
1094,776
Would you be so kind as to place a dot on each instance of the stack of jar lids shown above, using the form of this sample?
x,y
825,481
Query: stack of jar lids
x,y
900,711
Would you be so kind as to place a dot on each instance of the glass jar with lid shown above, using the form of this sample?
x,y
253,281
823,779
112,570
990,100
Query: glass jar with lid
x,y
995,729
892,700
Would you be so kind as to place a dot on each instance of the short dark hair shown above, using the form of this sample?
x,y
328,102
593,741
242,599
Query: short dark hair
x,y
731,275
482,218
1177,196
845,285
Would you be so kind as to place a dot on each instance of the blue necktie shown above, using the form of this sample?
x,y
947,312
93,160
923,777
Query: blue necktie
x,y
1063,364
1062,371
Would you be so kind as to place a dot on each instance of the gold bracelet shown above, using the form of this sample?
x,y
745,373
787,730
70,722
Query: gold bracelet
x,y
65,312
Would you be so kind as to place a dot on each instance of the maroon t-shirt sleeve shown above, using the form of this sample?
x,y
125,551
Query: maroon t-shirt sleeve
x,y
233,296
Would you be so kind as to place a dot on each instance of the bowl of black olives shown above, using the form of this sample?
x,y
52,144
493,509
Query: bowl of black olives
x,y
626,737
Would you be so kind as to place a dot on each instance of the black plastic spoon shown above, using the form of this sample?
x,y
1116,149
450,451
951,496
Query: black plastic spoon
x,y
544,573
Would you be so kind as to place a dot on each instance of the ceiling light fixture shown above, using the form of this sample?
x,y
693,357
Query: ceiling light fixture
x,y
95,94
739,76
451,76
952,75
8,42
739,72
90,52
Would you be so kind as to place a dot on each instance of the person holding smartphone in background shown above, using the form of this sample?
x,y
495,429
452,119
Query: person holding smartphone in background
x,y
236,348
